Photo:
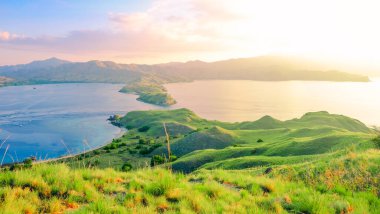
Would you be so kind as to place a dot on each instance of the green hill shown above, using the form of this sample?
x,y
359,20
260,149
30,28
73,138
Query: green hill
x,y
323,118
319,163
213,138
198,143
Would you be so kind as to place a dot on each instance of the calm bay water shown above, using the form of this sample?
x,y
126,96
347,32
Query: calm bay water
x,y
37,119
250,100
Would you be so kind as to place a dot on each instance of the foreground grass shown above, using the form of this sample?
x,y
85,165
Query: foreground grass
x,y
57,188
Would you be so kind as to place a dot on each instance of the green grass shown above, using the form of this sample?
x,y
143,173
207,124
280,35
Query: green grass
x,y
320,163
57,188
198,142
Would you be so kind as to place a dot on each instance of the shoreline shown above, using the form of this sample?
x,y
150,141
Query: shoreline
x,y
116,136
119,135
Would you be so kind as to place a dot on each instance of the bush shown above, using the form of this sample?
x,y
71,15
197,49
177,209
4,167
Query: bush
x,y
143,129
157,160
149,149
131,151
145,150
111,146
141,141
28,163
116,140
126,167
376,141
260,141
173,157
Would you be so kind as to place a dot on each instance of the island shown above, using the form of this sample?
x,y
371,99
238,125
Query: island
x,y
150,91
5,81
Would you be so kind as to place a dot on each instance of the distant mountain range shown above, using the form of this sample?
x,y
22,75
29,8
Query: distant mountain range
x,y
266,68
147,80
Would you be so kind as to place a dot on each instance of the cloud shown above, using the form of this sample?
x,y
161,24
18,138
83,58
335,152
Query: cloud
x,y
214,29
7,36
4,35
165,28
185,20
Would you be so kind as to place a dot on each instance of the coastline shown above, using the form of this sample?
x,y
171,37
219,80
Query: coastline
x,y
116,136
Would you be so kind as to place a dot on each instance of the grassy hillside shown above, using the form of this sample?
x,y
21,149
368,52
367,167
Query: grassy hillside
x,y
198,143
56,188
319,163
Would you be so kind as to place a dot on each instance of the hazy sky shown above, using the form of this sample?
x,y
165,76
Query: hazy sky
x,y
151,31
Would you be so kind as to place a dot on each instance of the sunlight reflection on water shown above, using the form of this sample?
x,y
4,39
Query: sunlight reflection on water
x,y
250,100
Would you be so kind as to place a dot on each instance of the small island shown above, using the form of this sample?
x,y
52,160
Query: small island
x,y
5,81
150,91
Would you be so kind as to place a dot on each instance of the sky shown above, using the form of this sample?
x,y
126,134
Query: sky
x,y
154,31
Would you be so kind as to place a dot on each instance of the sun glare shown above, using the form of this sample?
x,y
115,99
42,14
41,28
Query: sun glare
x,y
326,29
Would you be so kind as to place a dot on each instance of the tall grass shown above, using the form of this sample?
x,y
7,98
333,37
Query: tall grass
x,y
5,153
57,188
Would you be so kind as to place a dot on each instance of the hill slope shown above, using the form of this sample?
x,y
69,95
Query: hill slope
x,y
198,143
319,163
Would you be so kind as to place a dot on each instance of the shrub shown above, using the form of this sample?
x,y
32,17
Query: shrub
x,y
148,150
157,160
155,189
376,141
126,167
145,150
260,140
28,163
173,157
144,129
131,151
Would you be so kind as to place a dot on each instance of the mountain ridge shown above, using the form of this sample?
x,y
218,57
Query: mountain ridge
x,y
147,80
266,68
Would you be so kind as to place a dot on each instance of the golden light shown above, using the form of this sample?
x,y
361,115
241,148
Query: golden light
x,y
331,29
